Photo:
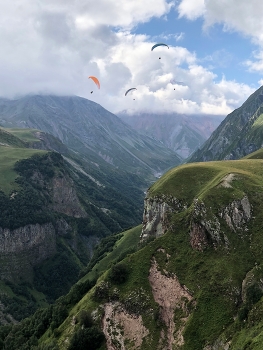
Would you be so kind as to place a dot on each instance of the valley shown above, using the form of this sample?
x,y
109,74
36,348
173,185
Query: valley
x,y
98,253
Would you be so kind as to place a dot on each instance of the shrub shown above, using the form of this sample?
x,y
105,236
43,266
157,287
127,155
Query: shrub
x,y
119,273
86,338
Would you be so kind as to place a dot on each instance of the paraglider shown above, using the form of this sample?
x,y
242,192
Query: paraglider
x,y
159,44
173,81
129,91
96,81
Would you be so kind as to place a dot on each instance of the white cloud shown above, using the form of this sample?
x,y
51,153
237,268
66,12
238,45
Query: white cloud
x,y
191,9
242,16
54,46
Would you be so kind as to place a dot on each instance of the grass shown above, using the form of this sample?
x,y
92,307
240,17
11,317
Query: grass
x,y
26,135
193,180
213,276
126,243
8,157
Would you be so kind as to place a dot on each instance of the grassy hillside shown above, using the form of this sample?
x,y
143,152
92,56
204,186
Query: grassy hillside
x,y
13,147
220,283
26,135
46,320
8,157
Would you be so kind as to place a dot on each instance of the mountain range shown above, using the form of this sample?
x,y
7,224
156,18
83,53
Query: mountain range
x,y
189,277
181,133
96,135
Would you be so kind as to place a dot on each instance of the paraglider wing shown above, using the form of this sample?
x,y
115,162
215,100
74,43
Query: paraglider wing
x,y
96,81
160,44
129,91
175,82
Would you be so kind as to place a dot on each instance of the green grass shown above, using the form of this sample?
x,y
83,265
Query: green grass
x,y
26,135
213,276
128,242
193,180
255,155
8,157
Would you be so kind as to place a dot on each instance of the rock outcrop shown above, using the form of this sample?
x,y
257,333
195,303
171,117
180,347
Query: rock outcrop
x,y
23,248
156,213
205,227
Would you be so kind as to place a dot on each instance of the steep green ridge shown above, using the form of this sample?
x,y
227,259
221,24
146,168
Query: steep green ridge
x,y
239,134
26,135
255,155
213,245
8,157
51,316
52,214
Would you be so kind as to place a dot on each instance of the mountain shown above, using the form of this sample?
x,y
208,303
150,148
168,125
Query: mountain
x,y
239,134
181,133
91,131
52,214
194,281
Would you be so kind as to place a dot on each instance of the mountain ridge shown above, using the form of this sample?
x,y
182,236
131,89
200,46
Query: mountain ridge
x,y
89,129
235,137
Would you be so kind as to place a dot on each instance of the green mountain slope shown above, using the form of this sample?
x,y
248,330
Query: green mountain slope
x,y
239,134
196,284
90,130
52,214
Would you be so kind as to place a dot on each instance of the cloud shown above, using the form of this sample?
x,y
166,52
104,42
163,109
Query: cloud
x,y
242,16
191,9
54,46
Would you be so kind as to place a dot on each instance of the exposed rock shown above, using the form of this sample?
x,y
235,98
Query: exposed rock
x,y
23,248
65,199
198,237
206,228
121,327
237,214
25,238
226,182
170,295
47,142
155,215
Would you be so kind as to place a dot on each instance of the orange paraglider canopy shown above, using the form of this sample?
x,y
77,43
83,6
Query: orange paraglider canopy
x,y
96,81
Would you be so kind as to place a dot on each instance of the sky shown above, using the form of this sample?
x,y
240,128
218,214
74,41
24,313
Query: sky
x,y
213,64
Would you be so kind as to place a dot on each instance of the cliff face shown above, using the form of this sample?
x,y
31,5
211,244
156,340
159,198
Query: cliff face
x,y
205,227
65,199
28,246
37,222
156,214
23,248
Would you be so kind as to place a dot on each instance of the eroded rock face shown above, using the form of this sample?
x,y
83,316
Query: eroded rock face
x,y
237,214
170,295
206,228
23,248
65,199
120,327
155,215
